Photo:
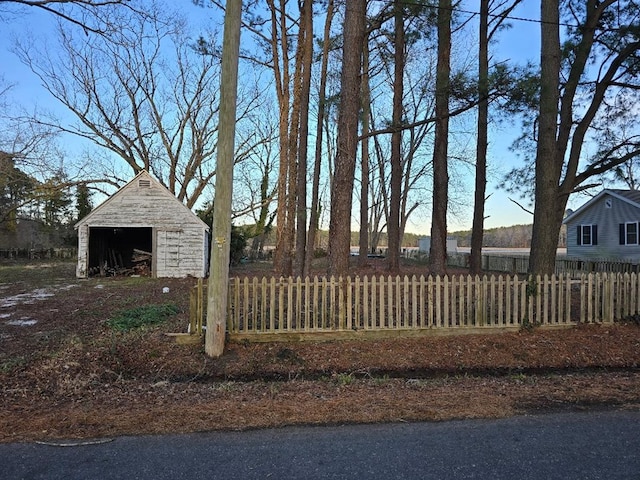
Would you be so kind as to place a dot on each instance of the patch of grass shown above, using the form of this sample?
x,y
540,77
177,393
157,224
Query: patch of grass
x,y
37,274
344,379
379,381
142,316
133,281
7,366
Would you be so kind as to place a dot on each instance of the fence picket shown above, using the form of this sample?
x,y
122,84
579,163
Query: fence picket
x,y
590,318
373,289
469,310
414,302
351,293
545,300
341,305
390,317
445,301
438,302
366,319
382,303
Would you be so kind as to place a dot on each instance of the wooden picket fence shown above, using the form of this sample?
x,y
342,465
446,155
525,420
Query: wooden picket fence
x,y
270,309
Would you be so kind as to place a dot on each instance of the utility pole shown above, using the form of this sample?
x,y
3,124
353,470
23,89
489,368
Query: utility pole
x,y
221,229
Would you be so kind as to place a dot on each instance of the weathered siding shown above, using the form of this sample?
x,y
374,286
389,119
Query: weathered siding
x,y
608,221
82,268
179,252
179,236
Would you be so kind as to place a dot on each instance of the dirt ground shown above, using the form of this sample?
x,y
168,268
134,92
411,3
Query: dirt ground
x,y
65,374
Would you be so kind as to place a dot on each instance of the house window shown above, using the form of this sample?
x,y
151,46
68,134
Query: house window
x,y
587,235
629,233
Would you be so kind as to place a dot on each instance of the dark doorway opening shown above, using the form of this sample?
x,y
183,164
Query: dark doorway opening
x,y
118,251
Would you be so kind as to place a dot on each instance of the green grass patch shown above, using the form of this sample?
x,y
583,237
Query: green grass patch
x,y
142,316
37,274
7,366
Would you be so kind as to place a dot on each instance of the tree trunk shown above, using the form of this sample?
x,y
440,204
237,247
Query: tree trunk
x,y
342,188
477,230
284,242
562,133
546,221
221,229
315,193
304,60
438,251
363,250
393,223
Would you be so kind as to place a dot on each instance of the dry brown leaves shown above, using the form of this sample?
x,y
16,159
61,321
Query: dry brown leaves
x,y
70,376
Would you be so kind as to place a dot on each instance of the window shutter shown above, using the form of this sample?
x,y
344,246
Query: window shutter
x,y
622,235
594,235
579,235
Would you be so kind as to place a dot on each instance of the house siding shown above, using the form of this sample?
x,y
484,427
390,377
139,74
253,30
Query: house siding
x,y
179,237
608,221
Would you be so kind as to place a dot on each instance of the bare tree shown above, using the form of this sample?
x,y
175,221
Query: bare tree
x,y
393,224
320,124
499,11
143,93
76,12
363,248
255,185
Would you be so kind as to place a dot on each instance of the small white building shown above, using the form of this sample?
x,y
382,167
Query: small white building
x,y
145,219
424,245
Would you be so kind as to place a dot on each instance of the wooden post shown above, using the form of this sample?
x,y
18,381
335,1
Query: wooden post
x,y
193,310
221,229
199,308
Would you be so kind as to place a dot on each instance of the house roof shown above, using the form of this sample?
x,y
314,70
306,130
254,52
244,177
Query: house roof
x,y
632,197
143,174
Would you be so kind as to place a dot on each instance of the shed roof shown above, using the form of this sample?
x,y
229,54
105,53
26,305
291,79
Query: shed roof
x,y
632,197
143,175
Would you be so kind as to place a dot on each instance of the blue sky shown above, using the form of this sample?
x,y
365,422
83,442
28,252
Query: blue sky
x,y
520,43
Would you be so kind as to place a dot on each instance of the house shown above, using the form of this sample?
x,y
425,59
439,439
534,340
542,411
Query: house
x,y
606,227
143,224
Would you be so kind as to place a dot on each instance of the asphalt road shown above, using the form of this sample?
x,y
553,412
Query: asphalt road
x,y
595,445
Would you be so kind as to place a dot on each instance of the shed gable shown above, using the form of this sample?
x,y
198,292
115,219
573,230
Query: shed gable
x,y
143,202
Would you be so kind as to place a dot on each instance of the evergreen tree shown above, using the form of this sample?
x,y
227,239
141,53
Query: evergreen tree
x,y
84,203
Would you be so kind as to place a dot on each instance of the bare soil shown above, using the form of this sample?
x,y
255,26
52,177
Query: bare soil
x,y
64,373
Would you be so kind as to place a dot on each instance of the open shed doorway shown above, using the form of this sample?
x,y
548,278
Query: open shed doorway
x,y
120,251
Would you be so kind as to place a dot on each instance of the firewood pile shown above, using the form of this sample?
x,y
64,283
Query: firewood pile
x,y
141,262
114,266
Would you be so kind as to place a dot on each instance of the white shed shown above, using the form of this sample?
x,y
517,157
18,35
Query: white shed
x,y
424,245
143,219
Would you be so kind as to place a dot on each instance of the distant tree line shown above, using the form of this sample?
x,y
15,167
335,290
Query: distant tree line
x,y
515,236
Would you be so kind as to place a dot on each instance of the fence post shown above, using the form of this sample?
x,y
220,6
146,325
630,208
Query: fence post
x,y
193,306
616,301
200,310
